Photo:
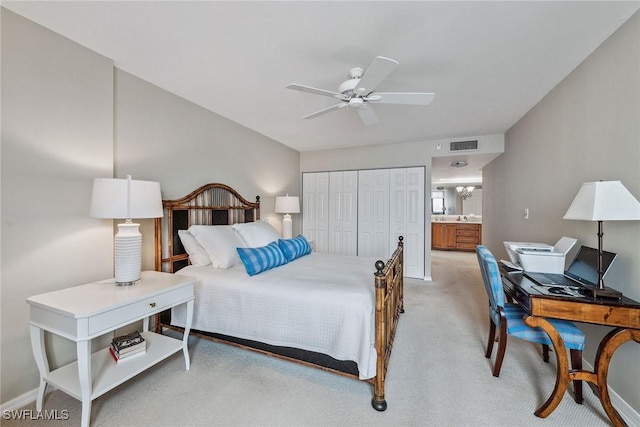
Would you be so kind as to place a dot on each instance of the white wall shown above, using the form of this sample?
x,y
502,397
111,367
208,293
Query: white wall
x,y
586,129
162,137
57,131
60,108
394,155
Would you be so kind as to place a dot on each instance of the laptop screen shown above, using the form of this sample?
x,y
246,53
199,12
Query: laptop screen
x,y
584,267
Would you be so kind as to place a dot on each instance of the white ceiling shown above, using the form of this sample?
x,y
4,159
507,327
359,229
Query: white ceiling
x,y
445,175
487,62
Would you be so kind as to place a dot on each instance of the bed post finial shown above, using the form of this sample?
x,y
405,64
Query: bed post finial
x,y
257,199
400,239
379,267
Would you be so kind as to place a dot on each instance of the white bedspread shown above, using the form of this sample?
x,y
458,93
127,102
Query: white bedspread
x,y
319,302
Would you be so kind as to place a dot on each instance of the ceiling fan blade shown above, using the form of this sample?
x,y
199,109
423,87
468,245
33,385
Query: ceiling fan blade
x,y
367,115
325,111
316,91
406,98
379,70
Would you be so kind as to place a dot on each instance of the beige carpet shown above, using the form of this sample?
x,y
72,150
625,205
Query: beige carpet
x,y
438,376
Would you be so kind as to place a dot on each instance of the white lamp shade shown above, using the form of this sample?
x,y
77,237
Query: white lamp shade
x,y
115,198
604,201
287,204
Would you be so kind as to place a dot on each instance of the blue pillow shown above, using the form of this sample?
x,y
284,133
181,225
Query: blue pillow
x,y
294,248
257,260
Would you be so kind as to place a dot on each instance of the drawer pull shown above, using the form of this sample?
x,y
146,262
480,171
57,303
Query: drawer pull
x,y
153,304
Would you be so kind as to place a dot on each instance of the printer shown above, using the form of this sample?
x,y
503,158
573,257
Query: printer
x,y
540,257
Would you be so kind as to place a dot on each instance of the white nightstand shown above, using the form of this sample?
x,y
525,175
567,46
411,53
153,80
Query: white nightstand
x,y
84,312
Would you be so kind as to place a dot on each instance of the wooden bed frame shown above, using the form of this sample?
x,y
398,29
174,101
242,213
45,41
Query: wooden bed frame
x,y
219,204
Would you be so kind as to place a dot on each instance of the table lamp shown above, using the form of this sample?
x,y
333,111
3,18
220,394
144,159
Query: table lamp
x,y
114,198
287,205
603,201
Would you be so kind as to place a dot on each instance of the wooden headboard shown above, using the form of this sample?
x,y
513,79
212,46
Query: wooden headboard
x,y
211,204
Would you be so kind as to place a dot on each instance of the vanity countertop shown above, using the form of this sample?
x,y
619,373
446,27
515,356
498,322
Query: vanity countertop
x,y
455,222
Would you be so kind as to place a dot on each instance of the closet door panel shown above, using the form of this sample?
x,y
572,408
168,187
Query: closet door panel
x,y
315,213
365,213
407,217
343,212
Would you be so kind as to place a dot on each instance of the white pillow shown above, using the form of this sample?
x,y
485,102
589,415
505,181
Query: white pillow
x,y
197,255
220,242
257,234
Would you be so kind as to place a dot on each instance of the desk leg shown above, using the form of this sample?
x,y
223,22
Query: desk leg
x,y
562,360
84,374
607,347
40,354
185,337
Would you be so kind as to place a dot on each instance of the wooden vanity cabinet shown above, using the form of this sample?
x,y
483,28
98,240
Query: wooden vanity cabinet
x,y
468,236
443,236
459,236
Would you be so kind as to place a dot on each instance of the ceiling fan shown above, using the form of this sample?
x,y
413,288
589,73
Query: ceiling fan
x,y
359,91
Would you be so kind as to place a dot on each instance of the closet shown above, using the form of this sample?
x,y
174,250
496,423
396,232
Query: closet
x,y
363,212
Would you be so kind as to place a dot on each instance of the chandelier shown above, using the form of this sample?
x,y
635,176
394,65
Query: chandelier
x,y
464,192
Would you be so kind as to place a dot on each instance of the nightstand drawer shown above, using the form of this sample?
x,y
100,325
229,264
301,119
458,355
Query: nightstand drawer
x,y
138,309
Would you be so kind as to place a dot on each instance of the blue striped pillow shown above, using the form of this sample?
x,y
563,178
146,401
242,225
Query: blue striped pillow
x,y
257,260
294,248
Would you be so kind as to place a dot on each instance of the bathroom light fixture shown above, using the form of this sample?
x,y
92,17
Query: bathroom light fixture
x,y
465,192
459,164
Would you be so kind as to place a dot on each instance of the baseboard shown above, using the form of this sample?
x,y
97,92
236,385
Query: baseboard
x,y
21,401
630,415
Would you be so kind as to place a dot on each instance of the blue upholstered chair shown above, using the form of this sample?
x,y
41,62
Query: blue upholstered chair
x,y
509,319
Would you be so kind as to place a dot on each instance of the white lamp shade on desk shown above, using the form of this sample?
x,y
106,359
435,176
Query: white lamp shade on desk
x,y
114,198
603,201
287,205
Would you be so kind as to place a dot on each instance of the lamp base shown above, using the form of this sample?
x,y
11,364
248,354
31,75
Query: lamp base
x,y
287,227
128,254
597,292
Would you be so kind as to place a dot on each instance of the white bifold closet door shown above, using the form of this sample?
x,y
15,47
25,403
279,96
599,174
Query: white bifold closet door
x,y
364,212
315,209
343,212
373,213
406,217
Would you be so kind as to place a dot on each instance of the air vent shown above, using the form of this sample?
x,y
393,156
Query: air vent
x,y
463,145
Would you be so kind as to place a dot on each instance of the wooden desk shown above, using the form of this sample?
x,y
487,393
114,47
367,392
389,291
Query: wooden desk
x,y
624,315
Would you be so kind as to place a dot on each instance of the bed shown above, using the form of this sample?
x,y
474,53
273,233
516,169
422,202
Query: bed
x,y
333,312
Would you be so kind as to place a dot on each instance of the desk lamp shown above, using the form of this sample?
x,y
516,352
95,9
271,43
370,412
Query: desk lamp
x,y
287,205
114,198
603,201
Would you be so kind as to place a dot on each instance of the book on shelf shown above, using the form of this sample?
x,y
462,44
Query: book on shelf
x,y
127,345
119,357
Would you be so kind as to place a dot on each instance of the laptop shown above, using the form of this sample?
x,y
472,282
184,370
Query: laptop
x,y
583,270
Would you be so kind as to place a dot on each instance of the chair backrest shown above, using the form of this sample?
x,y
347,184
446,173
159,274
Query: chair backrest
x,y
491,277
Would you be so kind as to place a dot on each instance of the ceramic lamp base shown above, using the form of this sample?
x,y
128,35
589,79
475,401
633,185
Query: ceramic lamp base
x,y
128,254
287,227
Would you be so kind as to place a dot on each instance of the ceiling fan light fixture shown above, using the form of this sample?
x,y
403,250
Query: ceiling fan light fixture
x,y
459,164
356,103
360,89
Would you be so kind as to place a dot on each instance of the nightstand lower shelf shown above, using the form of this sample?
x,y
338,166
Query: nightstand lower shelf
x,y
107,374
